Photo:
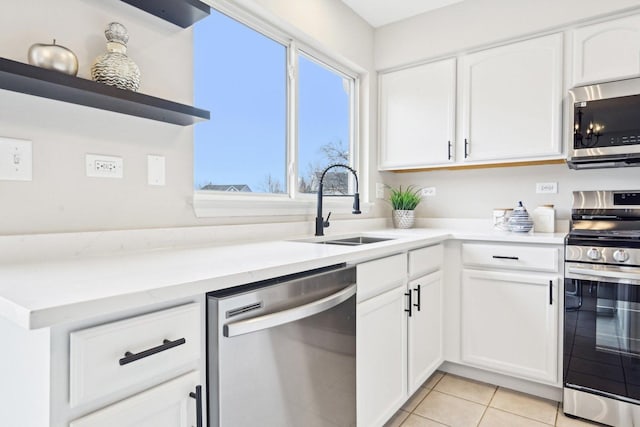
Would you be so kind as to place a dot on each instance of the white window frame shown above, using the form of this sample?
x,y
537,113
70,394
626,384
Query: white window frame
x,y
223,204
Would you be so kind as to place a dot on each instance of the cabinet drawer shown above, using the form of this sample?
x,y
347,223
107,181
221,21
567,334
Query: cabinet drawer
x,y
376,277
166,405
511,257
425,260
111,357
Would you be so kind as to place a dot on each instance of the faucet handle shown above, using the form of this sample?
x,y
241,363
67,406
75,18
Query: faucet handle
x,y
325,223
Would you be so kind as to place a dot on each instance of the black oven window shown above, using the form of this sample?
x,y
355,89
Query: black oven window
x,y
602,337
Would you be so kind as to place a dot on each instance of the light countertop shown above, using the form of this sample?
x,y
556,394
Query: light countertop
x,y
36,294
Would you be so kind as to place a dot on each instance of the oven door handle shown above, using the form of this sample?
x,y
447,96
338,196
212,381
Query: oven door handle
x,y
605,273
271,320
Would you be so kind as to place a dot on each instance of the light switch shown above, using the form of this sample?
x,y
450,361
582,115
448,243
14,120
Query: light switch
x,y
15,159
155,170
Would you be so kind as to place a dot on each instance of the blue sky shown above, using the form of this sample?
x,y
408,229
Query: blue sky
x,y
240,77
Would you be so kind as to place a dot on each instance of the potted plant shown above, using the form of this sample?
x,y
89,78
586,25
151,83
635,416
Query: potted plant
x,y
403,202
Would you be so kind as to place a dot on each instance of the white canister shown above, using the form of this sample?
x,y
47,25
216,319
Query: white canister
x,y
544,219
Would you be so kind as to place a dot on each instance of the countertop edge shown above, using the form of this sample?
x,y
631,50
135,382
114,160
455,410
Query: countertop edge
x,y
405,240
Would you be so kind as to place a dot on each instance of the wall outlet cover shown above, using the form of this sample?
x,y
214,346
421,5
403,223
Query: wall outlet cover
x,y
155,170
16,159
428,192
546,187
99,166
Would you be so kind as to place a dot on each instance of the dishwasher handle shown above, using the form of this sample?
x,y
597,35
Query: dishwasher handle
x,y
290,315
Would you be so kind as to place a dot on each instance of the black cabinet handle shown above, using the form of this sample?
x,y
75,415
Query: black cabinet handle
x,y
418,291
198,397
466,148
166,345
449,150
408,310
550,292
506,257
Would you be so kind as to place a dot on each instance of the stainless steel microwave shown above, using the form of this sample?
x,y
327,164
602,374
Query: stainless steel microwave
x,y
606,125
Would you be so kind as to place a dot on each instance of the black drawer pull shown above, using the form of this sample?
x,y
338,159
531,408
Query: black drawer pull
x,y
506,257
550,292
408,310
166,345
198,397
448,150
418,291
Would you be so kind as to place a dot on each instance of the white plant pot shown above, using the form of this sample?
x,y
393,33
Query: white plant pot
x,y
404,218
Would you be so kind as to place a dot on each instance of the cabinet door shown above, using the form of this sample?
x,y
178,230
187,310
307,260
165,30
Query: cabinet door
x,y
510,323
417,115
166,405
424,329
607,51
381,357
511,101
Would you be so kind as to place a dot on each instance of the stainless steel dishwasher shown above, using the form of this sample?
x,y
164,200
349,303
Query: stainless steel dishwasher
x,y
282,352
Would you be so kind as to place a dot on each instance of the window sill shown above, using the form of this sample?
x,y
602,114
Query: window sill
x,y
208,205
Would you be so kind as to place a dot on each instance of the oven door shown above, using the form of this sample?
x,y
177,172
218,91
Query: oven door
x,y
602,330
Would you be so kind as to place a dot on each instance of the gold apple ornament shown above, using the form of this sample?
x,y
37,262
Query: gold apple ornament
x,y
54,57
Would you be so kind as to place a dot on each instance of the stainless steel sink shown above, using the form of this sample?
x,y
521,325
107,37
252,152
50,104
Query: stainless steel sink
x,y
354,241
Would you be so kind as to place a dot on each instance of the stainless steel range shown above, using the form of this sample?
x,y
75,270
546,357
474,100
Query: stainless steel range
x,y
602,308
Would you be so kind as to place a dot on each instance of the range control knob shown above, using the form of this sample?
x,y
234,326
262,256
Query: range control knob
x,y
620,255
593,254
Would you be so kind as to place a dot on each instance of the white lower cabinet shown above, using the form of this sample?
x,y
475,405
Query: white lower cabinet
x,y
510,323
381,346
381,357
424,329
111,357
170,404
399,330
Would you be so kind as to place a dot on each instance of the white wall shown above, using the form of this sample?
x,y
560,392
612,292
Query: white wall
x,y
61,197
470,25
475,193
474,23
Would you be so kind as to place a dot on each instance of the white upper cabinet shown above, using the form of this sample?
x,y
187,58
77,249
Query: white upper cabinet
x,y
511,102
606,51
417,116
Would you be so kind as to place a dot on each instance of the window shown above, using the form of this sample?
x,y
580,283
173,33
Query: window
x,y
324,112
240,78
279,115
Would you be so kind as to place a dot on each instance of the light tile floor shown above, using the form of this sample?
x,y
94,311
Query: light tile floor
x,y
449,400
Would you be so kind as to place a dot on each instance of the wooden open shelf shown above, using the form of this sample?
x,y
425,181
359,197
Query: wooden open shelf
x,y
31,80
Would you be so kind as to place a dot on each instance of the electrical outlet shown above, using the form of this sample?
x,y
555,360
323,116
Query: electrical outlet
x,y
428,192
546,187
103,166
379,190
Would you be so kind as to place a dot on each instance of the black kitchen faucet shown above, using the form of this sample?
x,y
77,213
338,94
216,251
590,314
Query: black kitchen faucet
x,y
321,223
